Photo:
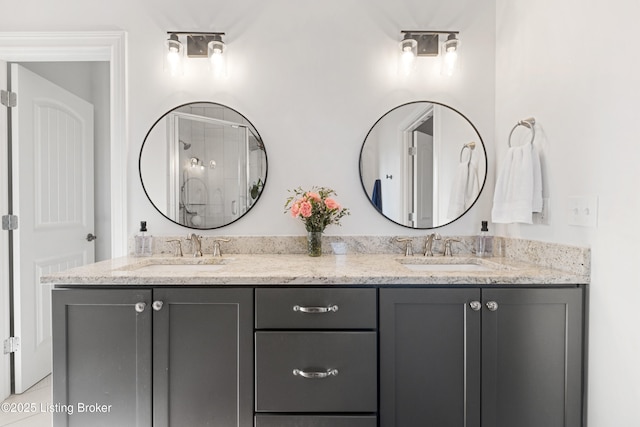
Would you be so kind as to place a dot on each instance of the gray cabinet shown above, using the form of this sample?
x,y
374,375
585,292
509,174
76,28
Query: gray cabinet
x,y
481,357
101,355
319,357
202,357
429,358
316,357
199,342
532,353
318,371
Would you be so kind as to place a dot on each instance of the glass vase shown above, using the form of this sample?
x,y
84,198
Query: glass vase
x,y
314,243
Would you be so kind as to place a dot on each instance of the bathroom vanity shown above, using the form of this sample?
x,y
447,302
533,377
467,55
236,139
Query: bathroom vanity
x,y
347,340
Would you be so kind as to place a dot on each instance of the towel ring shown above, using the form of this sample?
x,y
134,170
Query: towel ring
x,y
470,146
528,123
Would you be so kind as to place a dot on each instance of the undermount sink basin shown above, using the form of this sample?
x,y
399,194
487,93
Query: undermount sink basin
x,y
446,264
181,265
447,267
181,268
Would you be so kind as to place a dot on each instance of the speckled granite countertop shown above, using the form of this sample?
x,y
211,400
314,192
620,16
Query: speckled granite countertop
x,y
299,269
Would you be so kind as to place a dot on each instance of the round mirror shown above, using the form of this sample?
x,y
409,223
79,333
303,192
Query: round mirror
x,y
423,165
203,165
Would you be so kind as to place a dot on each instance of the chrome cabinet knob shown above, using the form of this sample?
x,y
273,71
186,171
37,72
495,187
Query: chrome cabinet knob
x,y
492,305
475,305
140,306
157,305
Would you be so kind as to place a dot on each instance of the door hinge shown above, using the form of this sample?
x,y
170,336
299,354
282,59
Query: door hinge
x,y
11,345
413,151
412,216
8,99
9,222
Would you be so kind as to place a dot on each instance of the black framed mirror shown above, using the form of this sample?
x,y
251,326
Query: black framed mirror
x,y
203,165
423,165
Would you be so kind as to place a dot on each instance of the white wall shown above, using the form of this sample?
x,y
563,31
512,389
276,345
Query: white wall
x,y
312,77
575,66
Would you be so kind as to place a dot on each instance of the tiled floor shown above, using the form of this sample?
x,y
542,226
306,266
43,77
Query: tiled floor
x,y
38,394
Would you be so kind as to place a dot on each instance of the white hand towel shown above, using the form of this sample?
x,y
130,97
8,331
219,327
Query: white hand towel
x,y
465,189
518,190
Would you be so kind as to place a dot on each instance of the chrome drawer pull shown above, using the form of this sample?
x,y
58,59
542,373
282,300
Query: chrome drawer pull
x,y
329,309
315,375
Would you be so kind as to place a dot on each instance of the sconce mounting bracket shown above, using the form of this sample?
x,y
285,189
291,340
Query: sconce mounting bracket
x,y
197,45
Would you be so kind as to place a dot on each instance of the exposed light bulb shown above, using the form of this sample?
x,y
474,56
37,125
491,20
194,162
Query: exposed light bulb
x,y
215,51
450,58
173,59
408,54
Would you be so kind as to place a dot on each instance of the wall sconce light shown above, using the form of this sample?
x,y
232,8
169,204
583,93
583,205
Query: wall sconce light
x,y
408,54
450,52
174,53
426,43
199,45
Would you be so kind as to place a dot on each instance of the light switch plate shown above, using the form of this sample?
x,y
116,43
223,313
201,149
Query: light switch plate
x,y
583,211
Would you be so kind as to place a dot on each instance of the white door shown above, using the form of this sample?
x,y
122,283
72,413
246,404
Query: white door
x,y
5,359
424,175
52,186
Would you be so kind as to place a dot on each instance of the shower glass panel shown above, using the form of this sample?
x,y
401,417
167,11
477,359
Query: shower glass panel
x,y
211,177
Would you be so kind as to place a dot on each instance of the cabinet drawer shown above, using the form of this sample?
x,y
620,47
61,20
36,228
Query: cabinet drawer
x,y
315,421
316,308
345,361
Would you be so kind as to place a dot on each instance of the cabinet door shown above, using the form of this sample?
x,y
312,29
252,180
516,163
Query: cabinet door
x,y
101,358
532,358
203,357
429,357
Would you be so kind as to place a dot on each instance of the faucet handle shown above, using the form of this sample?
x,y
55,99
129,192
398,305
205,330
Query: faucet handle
x,y
216,246
408,249
447,246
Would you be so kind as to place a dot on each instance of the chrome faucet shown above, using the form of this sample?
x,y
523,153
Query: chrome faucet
x,y
428,244
196,244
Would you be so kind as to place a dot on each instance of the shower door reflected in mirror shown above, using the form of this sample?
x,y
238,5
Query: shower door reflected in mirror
x,y
203,165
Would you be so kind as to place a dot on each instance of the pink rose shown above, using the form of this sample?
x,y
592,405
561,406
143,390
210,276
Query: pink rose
x,y
295,209
305,209
331,204
313,196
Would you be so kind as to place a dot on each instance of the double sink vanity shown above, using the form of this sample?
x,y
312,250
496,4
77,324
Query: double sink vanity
x,y
362,336
277,338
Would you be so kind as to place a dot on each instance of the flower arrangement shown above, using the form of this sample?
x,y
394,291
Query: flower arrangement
x,y
316,208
